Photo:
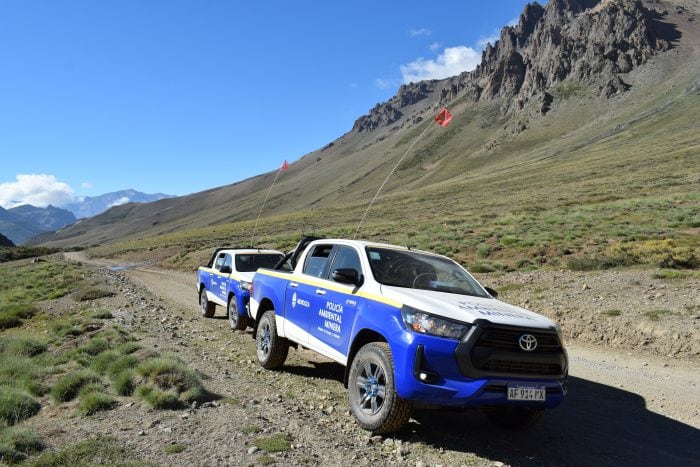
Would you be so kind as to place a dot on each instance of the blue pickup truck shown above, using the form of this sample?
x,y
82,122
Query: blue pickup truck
x,y
226,279
412,328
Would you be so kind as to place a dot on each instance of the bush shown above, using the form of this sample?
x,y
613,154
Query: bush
x,y
16,405
661,253
158,399
11,316
17,442
93,401
21,346
92,293
67,387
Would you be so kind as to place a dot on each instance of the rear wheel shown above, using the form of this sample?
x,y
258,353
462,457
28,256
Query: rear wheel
x,y
372,390
208,307
271,349
235,320
514,418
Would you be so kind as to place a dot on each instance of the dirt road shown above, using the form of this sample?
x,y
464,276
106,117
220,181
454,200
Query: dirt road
x,y
621,408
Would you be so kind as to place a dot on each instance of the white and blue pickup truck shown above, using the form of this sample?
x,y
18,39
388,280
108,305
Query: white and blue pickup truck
x,y
226,279
413,329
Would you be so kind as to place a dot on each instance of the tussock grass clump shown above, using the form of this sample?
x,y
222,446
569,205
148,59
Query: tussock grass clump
x,y
167,382
127,348
94,346
92,293
123,383
157,398
174,448
68,386
656,315
102,314
21,372
93,400
611,313
11,316
96,451
64,327
21,345
276,443
16,443
16,405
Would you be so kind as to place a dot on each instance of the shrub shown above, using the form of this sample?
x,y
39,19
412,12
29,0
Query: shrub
x,y
67,387
16,405
275,443
92,293
661,253
18,442
93,401
123,383
156,398
21,346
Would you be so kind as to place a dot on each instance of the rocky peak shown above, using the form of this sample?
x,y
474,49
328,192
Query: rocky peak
x,y
590,41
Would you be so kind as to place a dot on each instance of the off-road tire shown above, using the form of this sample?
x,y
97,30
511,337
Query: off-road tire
x,y
235,320
208,308
372,391
271,349
514,418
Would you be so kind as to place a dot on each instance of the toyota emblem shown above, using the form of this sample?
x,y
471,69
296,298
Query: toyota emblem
x,y
527,342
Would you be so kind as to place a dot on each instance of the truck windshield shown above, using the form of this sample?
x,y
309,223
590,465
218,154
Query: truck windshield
x,y
251,262
411,269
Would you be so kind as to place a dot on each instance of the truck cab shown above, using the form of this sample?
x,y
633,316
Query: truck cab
x,y
412,329
225,281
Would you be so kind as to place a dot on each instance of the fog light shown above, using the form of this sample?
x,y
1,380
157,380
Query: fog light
x,y
423,376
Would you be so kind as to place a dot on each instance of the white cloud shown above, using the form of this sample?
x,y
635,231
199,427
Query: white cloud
x,y
86,185
119,202
35,189
435,46
419,32
453,61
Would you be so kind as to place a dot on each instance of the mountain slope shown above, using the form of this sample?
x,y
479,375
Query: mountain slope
x,y
581,102
21,223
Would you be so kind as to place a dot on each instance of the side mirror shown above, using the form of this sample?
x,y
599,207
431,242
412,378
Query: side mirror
x,y
347,276
491,292
225,270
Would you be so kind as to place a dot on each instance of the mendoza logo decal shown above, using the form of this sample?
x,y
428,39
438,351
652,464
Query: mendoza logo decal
x,y
300,301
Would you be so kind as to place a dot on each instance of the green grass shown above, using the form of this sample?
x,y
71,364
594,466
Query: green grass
x,y
611,313
17,443
157,398
93,400
248,429
168,373
12,315
657,314
102,314
174,448
68,386
94,451
21,345
279,442
16,405
92,293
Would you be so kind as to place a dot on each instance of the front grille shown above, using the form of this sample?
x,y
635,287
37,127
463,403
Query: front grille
x,y
507,339
529,368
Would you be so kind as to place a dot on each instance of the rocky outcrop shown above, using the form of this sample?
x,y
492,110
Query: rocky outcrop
x,y
590,41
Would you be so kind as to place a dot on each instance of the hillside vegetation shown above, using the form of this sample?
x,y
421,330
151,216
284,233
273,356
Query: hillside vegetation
x,y
591,181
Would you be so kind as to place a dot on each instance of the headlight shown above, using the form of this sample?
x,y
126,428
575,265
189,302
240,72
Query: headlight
x,y
424,323
560,333
245,285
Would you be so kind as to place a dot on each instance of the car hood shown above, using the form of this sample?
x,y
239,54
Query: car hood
x,y
467,308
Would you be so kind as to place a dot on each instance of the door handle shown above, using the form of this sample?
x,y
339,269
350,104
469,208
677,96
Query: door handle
x,y
293,284
320,292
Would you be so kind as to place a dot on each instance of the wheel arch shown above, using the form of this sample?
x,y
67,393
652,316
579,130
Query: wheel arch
x,y
364,337
265,305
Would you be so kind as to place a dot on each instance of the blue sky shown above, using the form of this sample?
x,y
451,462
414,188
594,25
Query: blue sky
x,y
182,96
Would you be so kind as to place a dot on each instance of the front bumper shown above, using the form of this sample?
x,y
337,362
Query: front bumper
x,y
476,372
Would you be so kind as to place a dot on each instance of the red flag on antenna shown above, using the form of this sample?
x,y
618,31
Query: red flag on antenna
x,y
444,117
284,167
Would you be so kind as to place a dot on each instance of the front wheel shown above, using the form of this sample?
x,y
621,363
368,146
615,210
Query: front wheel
x,y
208,307
271,349
235,320
514,418
372,391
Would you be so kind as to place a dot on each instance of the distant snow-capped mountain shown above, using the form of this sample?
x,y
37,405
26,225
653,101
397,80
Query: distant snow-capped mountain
x,y
88,206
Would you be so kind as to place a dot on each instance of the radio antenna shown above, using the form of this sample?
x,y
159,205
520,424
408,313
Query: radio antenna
x,y
443,118
284,167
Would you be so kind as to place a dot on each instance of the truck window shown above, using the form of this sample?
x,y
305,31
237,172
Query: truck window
x,y
315,264
347,258
251,263
220,261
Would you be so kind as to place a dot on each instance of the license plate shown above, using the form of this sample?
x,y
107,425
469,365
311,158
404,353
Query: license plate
x,y
526,393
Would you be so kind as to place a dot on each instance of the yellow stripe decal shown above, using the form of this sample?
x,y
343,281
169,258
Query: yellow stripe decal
x,y
309,280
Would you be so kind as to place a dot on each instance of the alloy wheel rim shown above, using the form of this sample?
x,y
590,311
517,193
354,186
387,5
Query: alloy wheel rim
x,y
371,385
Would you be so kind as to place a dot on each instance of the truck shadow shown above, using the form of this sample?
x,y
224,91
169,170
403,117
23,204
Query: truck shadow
x,y
595,425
